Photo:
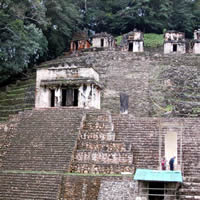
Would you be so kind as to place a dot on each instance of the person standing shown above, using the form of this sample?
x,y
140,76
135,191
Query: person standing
x,y
163,164
171,163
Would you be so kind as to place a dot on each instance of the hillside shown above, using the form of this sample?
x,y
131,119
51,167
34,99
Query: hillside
x,y
17,97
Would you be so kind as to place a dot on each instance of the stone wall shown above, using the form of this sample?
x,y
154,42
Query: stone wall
x,y
104,157
83,188
196,48
174,90
156,84
118,190
42,140
97,151
180,47
143,77
85,80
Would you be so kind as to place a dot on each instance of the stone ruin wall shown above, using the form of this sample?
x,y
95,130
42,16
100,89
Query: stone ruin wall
x,y
151,80
107,188
98,188
144,78
147,145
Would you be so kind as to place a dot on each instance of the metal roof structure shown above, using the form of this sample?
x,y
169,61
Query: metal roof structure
x,y
158,175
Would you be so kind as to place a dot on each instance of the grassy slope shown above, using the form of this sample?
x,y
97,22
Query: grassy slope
x,y
151,40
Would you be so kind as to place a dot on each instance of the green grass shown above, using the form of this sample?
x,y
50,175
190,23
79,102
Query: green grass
x,y
153,40
59,173
118,38
169,108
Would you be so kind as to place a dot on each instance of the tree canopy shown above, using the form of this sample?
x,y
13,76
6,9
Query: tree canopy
x,y
32,31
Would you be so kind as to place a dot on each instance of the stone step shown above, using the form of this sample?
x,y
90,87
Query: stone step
x,y
5,113
40,167
107,146
44,140
189,197
11,101
192,179
104,157
29,186
98,136
98,117
16,106
190,191
3,119
11,96
22,85
89,168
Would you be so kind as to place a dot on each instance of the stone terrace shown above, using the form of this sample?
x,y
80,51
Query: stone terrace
x,y
43,140
143,134
142,76
190,189
98,142
191,147
97,150
17,97
29,186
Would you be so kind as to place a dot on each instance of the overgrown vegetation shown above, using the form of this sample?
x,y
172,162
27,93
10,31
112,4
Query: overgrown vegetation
x,y
118,38
153,40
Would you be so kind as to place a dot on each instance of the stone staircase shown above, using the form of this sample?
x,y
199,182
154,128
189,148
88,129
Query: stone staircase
x,y
142,133
122,72
3,136
17,97
43,140
191,148
97,151
29,186
190,189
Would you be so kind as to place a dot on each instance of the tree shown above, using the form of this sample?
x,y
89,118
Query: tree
x,y
64,19
181,17
21,41
196,13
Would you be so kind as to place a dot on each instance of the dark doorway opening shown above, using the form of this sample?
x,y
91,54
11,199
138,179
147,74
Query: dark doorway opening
x,y
64,92
52,98
174,47
130,47
75,97
102,42
76,45
156,191
123,103
69,97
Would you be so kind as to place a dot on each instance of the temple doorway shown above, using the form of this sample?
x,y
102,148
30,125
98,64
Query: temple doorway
x,y
70,97
156,191
130,47
171,145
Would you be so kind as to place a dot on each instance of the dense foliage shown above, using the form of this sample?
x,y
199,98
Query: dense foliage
x,y
34,30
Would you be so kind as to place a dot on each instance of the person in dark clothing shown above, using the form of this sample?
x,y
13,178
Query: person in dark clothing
x,y
171,163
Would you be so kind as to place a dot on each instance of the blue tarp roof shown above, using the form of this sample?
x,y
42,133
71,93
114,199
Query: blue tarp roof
x,y
158,175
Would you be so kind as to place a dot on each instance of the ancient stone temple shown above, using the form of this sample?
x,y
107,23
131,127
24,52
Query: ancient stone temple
x,y
104,40
196,48
174,42
60,150
80,41
67,86
133,41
